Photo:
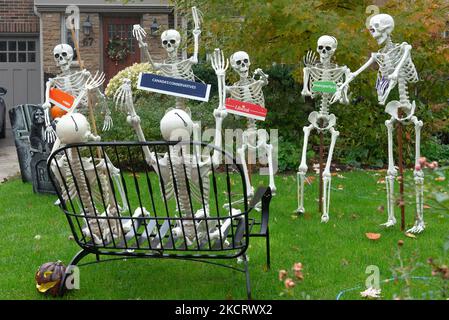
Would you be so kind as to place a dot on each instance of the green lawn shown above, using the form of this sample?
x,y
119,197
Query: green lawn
x,y
335,255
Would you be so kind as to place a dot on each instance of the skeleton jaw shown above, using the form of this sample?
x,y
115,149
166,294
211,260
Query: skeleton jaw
x,y
381,37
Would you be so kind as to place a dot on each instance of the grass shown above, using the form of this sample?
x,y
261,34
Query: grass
x,y
335,255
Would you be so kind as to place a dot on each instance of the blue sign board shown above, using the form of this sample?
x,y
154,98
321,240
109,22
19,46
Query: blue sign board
x,y
174,87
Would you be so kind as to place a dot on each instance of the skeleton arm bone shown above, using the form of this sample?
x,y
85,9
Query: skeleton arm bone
x,y
344,96
220,65
305,89
263,77
196,34
123,98
50,134
338,95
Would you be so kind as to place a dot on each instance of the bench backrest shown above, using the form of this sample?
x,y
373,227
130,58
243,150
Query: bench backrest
x,y
157,199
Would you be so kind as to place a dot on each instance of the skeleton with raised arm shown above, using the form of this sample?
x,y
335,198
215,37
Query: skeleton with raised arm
x,y
250,89
396,68
180,167
71,82
323,70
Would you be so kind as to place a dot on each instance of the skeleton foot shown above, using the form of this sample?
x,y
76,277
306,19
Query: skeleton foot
x,y
389,223
418,227
324,218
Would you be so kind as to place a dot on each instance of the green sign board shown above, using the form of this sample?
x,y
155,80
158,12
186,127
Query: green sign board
x,y
324,86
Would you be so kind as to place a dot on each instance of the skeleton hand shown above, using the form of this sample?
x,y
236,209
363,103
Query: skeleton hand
x,y
338,96
46,105
260,72
107,123
139,33
50,134
123,95
309,59
219,63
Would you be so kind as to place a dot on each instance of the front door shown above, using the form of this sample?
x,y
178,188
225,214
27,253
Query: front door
x,y
119,30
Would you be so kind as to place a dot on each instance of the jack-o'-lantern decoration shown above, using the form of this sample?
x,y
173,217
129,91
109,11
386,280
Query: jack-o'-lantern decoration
x,y
49,276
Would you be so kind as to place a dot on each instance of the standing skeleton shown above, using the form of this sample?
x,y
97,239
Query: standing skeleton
x,y
249,89
72,83
395,68
178,167
322,121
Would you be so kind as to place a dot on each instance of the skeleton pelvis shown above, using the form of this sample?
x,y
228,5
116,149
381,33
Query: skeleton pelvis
x,y
322,122
400,111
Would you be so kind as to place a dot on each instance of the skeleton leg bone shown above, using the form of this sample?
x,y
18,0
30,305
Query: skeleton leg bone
x,y
419,180
391,175
327,176
302,170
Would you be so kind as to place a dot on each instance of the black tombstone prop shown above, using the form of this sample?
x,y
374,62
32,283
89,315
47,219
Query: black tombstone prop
x,y
28,125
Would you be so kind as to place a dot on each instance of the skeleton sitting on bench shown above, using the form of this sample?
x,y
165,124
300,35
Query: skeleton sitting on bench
x,y
79,176
71,82
179,167
322,121
396,68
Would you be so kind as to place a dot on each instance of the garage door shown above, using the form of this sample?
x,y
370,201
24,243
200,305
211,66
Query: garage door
x,y
20,71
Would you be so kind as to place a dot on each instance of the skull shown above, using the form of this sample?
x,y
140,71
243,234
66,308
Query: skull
x,y
381,26
73,128
240,62
171,40
326,46
39,117
63,55
176,125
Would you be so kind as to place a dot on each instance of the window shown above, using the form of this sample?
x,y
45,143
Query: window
x,y
20,51
123,31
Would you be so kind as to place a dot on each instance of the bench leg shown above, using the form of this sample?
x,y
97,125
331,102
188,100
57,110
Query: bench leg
x,y
267,242
248,284
77,258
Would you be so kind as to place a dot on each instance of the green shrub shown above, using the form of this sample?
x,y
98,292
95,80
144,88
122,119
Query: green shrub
x,y
131,73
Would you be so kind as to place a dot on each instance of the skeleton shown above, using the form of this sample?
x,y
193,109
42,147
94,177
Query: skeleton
x,y
178,167
74,128
322,121
249,89
395,68
173,66
72,82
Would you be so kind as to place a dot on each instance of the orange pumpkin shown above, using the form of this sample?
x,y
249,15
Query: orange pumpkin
x,y
57,112
49,276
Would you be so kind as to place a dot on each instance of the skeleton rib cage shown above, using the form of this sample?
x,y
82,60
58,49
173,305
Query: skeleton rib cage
x,y
179,69
388,61
249,90
149,224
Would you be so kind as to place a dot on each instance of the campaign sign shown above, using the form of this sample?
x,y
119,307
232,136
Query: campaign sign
x,y
61,99
246,109
324,86
174,87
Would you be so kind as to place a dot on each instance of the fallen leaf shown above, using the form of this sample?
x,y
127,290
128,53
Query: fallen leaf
x,y
373,236
340,187
381,208
410,235
440,178
381,180
426,206
310,179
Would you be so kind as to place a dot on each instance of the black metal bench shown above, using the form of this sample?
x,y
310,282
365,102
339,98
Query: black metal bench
x,y
155,200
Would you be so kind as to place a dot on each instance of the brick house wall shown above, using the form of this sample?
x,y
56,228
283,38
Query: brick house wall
x,y
92,55
17,16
